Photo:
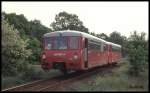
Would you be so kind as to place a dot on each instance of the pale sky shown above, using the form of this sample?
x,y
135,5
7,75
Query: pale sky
x,y
98,17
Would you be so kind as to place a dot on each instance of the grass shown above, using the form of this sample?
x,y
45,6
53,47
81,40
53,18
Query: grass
x,y
118,80
35,73
11,81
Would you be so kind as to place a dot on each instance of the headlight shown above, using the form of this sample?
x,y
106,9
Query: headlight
x,y
43,56
75,57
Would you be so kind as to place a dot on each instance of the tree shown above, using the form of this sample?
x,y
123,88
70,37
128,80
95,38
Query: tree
x,y
19,22
138,55
66,21
102,36
30,31
37,30
115,37
27,29
92,33
14,52
124,46
35,45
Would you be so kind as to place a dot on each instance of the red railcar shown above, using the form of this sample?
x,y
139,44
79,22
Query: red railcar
x,y
74,50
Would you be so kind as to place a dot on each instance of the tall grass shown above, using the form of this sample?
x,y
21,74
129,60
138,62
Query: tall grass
x,y
118,80
32,74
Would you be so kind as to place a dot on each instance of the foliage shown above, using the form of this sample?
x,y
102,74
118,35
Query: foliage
x,y
92,33
138,55
37,30
26,28
32,74
115,37
66,21
35,45
19,22
8,82
102,36
29,31
14,52
115,80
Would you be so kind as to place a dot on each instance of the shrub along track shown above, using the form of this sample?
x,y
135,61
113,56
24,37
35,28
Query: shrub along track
x,y
53,84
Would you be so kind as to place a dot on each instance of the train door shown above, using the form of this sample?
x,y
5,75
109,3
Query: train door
x,y
110,54
107,53
86,53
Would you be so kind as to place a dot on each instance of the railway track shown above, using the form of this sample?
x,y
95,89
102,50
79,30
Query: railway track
x,y
52,83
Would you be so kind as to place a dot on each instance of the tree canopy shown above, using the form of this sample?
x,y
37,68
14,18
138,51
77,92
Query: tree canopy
x,y
138,52
27,29
14,51
102,36
115,37
66,21
30,31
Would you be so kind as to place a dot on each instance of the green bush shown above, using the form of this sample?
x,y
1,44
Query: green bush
x,y
32,74
29,31
35,45
138,55
14,52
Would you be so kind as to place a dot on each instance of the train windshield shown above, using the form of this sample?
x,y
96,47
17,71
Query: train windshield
x,y
61,42
73,42
56,43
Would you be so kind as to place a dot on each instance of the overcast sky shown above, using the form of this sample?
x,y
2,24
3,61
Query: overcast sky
x,y
99,17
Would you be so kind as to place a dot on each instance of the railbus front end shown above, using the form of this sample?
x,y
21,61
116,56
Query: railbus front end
x,y
62,51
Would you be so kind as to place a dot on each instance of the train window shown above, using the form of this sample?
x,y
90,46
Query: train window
x,y
73,43
99,47
116,49
56,43
60,43
48,43
94,45
89,46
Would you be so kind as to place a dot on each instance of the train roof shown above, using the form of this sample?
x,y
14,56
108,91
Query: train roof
x,y
78,33
73,33
113,44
